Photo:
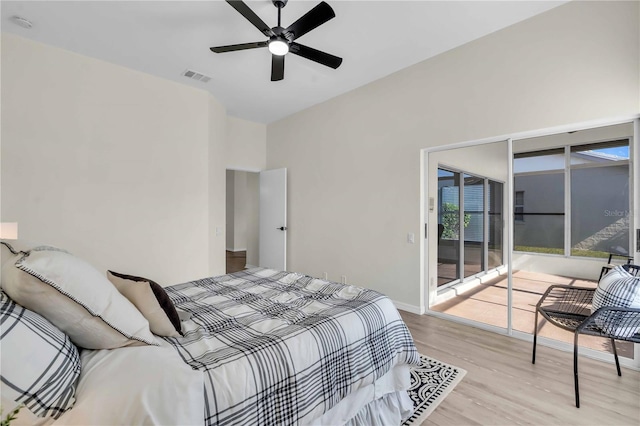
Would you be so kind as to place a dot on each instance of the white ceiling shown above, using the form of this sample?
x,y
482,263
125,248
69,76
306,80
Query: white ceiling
x,y
164,38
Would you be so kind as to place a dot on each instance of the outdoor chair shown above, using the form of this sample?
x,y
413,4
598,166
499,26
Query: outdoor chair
x,y
614,259
569,308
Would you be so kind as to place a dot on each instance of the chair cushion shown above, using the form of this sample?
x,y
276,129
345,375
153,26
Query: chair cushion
x,y
618,289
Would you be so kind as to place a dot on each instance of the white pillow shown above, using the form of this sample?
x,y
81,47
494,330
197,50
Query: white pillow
x,y
16,246
10,248
75,297
618,289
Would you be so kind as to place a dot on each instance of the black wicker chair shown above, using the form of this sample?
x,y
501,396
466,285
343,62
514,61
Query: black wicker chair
x,y
569,308
611,263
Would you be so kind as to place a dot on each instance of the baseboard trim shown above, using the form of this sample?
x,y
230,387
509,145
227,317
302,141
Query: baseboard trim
x,y
408,308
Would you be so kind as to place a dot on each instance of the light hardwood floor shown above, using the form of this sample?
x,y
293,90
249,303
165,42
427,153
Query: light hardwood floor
x,y
502,387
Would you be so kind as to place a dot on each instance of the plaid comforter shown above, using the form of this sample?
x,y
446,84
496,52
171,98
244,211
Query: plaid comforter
x,y
283,348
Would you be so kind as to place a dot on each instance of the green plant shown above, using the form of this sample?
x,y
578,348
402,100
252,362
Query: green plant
x,y
451,221
10,417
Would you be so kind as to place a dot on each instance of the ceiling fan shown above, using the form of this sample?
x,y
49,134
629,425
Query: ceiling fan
x,y
282,40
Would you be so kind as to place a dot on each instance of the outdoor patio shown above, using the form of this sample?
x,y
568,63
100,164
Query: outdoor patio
x,y
487,303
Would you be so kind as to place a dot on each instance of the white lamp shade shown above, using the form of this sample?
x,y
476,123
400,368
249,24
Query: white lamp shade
x,y
9,230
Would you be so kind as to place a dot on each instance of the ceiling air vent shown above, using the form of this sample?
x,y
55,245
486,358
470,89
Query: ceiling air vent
x,y
193,75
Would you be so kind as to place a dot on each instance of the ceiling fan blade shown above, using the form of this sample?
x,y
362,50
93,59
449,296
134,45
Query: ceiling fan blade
x,y
310,20
250,15
242,46
277,67
315,55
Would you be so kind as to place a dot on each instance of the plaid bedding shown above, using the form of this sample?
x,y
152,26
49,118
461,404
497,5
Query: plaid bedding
x,y
284,348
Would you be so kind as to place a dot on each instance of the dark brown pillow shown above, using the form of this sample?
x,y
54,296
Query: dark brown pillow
x,y
151,300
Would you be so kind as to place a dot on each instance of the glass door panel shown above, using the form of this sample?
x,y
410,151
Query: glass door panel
x,y
473,229
572,208
468,205
495,223
448,227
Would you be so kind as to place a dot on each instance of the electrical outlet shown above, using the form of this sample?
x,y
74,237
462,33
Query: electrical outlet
x,y
343,279
325,276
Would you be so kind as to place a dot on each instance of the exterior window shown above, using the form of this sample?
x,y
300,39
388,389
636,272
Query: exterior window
x,y
597,192
519,206
600,209
541,227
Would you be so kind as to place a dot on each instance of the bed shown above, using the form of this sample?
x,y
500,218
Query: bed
x,y
254,347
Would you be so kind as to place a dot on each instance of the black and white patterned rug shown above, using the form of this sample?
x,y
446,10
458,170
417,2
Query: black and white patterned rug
x,y
430,384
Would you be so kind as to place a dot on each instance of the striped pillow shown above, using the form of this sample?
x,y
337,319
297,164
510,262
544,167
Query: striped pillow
x,y
618,289
40,365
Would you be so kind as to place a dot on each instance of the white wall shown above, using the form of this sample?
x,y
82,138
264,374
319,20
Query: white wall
x,y
230,208
124,169
253,218
243,213
236,210
217,158
240,212
354,161
246,148
246,145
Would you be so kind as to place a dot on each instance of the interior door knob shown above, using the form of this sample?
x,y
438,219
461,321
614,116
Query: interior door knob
x,y
282,228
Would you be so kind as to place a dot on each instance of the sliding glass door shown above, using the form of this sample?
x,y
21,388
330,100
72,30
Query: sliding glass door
x,y
495,224
473,230
562,202
466,205
448,227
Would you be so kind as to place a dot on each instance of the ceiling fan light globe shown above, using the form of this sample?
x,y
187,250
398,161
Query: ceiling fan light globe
x,y
278,47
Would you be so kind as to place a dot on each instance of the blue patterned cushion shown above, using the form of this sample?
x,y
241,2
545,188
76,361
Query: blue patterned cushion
x,y
618,289
40,365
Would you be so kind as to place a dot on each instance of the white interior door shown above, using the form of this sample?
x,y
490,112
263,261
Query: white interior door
x,y
273,219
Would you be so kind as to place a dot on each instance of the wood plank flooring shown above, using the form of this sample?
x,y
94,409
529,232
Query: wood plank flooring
x,y
236,261
502,387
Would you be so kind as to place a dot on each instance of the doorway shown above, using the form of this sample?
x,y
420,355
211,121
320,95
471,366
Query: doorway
x,y
256,219
243,218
